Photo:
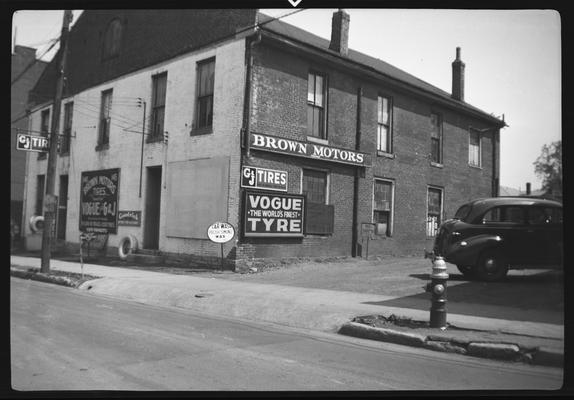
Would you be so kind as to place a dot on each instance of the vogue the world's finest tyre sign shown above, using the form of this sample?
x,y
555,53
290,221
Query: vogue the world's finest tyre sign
x,y
220,232
99,201
274,214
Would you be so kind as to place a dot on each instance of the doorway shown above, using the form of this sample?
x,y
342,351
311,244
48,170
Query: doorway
x,y
62,207
152,208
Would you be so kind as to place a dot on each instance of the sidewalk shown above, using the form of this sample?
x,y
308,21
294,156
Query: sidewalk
x,y
227,294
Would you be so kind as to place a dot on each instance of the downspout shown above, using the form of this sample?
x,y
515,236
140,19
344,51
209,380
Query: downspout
x,y
248,93
355,233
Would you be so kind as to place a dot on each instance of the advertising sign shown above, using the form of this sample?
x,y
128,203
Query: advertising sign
x,y
32,143
274,214
263,178
293,147
129,218
99,201
220,232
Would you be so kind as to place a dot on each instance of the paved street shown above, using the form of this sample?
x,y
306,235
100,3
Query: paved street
x,y
65,339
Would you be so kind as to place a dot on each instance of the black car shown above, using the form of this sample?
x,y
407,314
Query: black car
x,y
488,236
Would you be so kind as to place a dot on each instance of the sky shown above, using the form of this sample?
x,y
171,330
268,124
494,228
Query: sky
x,y
512,57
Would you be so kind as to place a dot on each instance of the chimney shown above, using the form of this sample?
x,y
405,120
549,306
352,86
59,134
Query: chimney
x,y
528,188
458,77
340,32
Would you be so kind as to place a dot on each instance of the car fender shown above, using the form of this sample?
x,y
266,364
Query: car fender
x,y
467,250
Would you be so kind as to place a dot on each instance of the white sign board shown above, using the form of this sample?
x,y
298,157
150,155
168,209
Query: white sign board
x,y
220,232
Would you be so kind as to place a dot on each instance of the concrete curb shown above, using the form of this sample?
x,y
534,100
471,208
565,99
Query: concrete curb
x,y
492,350
39,276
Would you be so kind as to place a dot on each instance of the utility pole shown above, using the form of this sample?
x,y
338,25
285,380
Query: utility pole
x,y
50,200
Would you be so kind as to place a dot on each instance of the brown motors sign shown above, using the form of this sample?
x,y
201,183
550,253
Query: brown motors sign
x,y
298,148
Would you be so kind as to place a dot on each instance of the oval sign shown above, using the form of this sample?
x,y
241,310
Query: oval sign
x,y
220,232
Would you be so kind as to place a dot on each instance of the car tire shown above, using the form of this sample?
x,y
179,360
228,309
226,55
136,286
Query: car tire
x,y
127,246
466,270
491,266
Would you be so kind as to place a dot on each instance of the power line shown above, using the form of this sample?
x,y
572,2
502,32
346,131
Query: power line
x,y
35,61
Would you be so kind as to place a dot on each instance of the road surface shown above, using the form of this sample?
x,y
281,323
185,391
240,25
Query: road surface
x,y
67,339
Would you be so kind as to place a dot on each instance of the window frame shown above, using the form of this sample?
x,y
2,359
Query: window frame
x,y
322,135
208,127
44,129
388,125
470,147
105,121
440,139
325,207
67,127
40,192
434,230
391,220
156,107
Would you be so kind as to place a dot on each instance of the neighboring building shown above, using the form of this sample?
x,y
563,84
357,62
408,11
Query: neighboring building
x,y
300,143
26,70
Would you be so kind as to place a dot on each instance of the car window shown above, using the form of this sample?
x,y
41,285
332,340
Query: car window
x,y
504,214
462,212
538,215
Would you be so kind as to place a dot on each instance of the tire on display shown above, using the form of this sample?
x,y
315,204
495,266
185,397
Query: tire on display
x,y
37,223
128,244
491,266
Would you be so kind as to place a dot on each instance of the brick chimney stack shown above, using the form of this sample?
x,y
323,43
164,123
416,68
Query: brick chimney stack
x,y
458,77
528,190
340,32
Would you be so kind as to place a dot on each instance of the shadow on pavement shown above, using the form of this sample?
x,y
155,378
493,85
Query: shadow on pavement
x,y
534,297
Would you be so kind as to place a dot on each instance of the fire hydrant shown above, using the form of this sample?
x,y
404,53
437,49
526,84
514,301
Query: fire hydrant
x,y
437,287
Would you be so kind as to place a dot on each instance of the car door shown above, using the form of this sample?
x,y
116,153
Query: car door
x,y
509,222
545,234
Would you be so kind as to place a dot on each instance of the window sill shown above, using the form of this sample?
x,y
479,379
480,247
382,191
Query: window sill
x,y
64,154
204,130
103,146
475,166
381,153
437,165
317,140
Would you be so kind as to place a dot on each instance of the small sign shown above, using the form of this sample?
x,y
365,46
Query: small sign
x,y
220,232
274,214
367,229
32,143
263,178
130,218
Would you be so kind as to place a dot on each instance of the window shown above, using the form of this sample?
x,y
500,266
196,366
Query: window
x,y
474,154
383,206
436,138
39,195
205,85
159,86
112,40
320,216
44,129
105,118
45,123
316,90
67,130
315,186
384,134
434,211
505,214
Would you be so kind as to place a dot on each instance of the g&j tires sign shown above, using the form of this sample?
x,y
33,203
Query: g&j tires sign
x,y
273,215
99,201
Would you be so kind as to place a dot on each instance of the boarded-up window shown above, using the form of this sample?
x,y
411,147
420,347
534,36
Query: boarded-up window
x,y
197,196
320,216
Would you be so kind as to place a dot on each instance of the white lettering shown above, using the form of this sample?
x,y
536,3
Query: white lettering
x,y
268,222
282,225
253,223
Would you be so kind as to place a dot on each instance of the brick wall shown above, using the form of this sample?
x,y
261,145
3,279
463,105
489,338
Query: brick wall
x,y
279,108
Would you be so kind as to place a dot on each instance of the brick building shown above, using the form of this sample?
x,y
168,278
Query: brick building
x,y
305,146
25,71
